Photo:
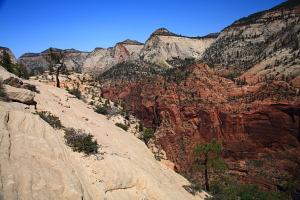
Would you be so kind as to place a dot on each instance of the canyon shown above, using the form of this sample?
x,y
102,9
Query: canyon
x,y
36,163
243,90
240,86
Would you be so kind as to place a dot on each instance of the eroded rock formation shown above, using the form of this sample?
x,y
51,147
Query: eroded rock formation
x,y
102,59
253,121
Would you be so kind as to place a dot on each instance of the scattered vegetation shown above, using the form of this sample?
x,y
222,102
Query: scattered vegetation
x,y
141,126
31,88
122,126
193,188
130,71
51,119
76,92
101,109
80,141
19,70
230,189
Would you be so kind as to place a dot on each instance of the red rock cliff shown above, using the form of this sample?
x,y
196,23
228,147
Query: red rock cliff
x,y
253,122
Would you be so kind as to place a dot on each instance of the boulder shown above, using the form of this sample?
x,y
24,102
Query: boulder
x,y
19,94
13,81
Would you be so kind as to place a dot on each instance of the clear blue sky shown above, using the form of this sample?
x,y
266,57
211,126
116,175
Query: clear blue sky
x,y
35,25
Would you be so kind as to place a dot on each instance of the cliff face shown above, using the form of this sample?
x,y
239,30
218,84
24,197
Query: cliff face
x,y
37,61
254,122
164,45
101,59
263,44
7,50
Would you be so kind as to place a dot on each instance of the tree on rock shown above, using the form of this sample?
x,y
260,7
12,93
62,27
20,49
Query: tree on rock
x,y
147,135
207,158
5,62
56,60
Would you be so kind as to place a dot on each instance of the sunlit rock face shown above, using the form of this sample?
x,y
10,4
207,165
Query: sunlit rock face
x,y
160,47
164,45
101,59
263,44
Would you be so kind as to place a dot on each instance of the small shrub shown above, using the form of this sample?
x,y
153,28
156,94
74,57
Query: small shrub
x,y
76,92
122,126
141,126
101,109
50,119
80,141
31,88
193,188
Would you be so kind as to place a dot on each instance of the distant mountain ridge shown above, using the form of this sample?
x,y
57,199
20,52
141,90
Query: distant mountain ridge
x,y
291,6
37,61
237,48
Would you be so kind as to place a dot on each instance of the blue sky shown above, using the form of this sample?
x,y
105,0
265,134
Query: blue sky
x,y
35,25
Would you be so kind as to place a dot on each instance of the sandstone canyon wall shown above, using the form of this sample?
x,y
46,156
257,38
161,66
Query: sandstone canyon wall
x,y
254,123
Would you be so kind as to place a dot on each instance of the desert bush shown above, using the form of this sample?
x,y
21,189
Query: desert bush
x,y
230,189
31,88
141,126
80,141
76,92
100,109
50,119
122,126
193,188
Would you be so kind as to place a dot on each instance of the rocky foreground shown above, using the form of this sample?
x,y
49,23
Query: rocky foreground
x,y
37,164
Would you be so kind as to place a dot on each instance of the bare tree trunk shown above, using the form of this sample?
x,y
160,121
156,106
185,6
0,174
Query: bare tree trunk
x,y
206,173
57,74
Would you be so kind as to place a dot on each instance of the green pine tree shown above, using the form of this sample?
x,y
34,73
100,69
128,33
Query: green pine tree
x,y
147,135
207,158
6,62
